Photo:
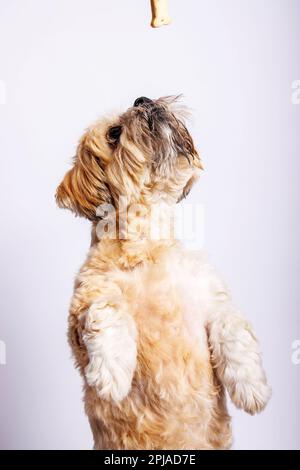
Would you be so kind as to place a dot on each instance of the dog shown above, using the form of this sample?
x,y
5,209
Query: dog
x,y
153,330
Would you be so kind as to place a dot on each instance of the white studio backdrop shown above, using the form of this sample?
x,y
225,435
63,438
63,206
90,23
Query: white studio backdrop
x,y
63,63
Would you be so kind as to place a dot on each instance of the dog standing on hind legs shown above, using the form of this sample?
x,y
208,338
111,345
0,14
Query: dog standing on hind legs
x,y
153,329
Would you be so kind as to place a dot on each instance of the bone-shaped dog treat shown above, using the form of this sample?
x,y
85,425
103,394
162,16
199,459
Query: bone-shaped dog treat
x,y
160,15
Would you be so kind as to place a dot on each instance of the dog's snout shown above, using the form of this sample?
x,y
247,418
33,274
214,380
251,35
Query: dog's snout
x,y
142,101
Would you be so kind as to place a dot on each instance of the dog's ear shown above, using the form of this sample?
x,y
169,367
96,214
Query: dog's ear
x,y
84,187
195,162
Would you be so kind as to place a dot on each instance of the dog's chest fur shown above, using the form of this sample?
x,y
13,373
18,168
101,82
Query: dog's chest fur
x,y
169,298
174,394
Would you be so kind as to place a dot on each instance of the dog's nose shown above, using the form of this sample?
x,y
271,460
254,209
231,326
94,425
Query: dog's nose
x,y
142,101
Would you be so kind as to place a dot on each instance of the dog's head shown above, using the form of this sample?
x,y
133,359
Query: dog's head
x,y
147,152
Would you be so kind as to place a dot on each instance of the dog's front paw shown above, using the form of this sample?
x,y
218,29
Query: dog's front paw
x,y
251,397
112,380
110,339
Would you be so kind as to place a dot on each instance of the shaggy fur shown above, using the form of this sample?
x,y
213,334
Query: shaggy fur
x,y
153,329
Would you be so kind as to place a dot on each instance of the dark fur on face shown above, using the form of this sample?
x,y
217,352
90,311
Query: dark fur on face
x,y
161,134
146,150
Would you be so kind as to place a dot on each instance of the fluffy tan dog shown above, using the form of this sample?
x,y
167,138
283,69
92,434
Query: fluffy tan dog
x,y
152,327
